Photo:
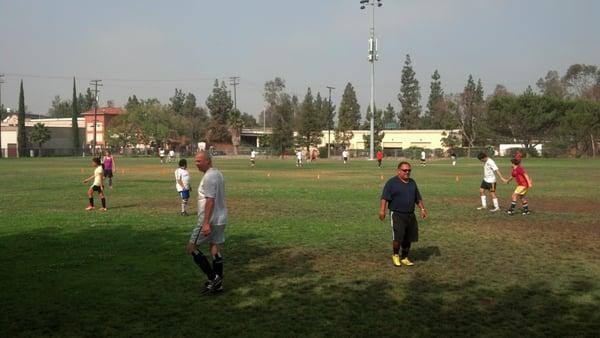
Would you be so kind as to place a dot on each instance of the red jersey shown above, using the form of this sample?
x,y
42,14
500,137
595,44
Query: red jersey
x,y
380,155
519,174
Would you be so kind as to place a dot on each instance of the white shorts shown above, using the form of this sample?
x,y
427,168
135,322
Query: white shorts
x,y
217,235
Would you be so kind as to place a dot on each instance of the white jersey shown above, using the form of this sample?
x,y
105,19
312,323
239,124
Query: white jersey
x,y
422,155
253,154
213,186
299,155
345,153
183,175
489,171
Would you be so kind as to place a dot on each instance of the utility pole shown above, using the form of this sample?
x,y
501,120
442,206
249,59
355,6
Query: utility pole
x,y
329,121
1,113
233,80
96,84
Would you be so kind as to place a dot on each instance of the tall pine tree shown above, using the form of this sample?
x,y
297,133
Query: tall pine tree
x,y
389,118
21,132
409,97
282,138
310,129
348,116
74,116
436,105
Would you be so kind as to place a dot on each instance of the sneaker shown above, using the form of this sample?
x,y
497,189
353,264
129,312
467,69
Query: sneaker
x,y
406,262
103,209
525,213
396,260
495,209
213,285
481,208
510,212
90,208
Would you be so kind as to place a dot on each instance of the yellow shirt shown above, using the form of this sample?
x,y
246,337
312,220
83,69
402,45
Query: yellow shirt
x,y
98,174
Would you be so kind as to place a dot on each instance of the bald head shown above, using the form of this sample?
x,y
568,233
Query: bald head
x,y
203,161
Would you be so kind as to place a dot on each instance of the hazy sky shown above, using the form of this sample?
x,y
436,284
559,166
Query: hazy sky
x,y
149,48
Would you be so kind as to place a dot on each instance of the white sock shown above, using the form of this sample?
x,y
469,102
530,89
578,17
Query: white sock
x,y
495,201
483,202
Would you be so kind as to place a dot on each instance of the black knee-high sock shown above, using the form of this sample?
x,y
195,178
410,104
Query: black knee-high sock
x,y
103,202
218,264
202,262
91,201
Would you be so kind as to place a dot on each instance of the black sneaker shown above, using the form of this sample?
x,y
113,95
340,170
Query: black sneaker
x,y
214,285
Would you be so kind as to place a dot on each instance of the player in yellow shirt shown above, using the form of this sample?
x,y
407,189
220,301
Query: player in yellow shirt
x,y
98,184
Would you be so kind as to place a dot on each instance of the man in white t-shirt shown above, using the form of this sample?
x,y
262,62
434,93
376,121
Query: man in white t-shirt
x,y
490,170
252,157
423,158
171,155
161,154
182,184
345,155
212,219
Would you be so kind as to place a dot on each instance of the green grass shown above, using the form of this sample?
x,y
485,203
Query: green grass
x,y
305,254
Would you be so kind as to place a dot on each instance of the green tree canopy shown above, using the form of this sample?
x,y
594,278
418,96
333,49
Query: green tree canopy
x,y
39,135
409,97
219,104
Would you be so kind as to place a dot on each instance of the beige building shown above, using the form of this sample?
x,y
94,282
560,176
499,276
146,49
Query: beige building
x,y
396,139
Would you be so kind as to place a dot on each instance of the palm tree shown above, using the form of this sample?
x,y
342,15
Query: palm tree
x,y
39,135
236,123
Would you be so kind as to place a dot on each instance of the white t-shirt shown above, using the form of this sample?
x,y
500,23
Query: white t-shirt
x,y
98,172
183,175
253,154
345,153
422,155
161,153
489,171
213,186
171,153
299,155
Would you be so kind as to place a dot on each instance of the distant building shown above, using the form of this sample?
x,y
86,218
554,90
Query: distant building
x,y
103,118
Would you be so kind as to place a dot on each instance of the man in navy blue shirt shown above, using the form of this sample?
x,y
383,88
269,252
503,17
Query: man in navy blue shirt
x,y
401,194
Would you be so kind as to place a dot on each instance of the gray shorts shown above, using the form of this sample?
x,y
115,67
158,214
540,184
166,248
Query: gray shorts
x,y
217,235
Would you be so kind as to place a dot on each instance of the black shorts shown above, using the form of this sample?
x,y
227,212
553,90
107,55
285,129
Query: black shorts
x,y
96,188
488,186
108,173
404,227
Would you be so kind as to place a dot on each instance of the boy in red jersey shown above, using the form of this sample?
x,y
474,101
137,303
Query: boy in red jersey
x,y
523,184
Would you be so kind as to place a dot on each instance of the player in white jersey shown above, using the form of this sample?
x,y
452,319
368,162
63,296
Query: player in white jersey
x,y
490,170
345,155
212,219
98,185
423,158
299,158
252,157
182,184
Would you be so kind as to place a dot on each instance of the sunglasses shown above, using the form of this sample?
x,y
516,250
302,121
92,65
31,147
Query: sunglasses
x,y
406,170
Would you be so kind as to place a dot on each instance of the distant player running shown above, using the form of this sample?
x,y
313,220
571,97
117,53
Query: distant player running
x,y
98,185
110,166
490,170
523,185
252,157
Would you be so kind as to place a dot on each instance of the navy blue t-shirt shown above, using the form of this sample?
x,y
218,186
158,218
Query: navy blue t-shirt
x,y
401,196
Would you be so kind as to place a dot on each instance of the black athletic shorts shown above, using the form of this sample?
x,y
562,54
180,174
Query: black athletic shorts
x,y
108,173
488,186
97,188
404,227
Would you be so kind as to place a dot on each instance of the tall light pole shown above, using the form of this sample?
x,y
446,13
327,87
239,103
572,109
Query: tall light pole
x,y
96,84
372,59
329,121
233,80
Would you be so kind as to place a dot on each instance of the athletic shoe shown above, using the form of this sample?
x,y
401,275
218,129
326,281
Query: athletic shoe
x,y
183,213
495,209
90,208
396,260
510,212
525,213
406,262
481,208
213,285
103,209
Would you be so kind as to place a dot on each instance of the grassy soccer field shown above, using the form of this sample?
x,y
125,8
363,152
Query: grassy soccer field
x,y
305,254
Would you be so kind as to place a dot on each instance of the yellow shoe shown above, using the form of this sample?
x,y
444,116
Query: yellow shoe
x,y
396,260
406,262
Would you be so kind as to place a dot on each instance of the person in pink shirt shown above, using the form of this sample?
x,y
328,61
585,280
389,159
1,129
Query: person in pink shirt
x,y
108,163
523,185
